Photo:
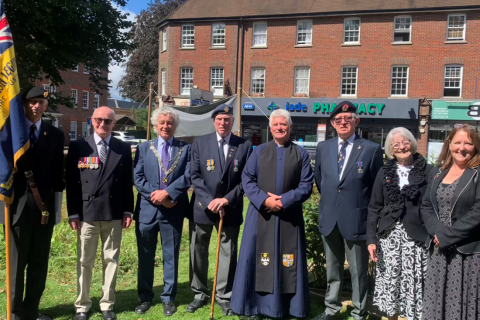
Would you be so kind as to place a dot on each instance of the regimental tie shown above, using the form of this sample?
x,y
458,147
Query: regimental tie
x,y
341,158
103,151
33,136
222,154
166,163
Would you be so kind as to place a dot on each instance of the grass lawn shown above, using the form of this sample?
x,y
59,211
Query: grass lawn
x,y
61,290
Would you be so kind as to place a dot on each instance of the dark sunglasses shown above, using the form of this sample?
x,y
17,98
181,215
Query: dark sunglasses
x,y
99,120
465,126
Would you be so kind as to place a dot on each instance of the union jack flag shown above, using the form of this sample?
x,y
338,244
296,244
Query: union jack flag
x,y
5,34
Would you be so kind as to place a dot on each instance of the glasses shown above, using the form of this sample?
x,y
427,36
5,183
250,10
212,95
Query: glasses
x,y
398,145
346,119
100,120
465,126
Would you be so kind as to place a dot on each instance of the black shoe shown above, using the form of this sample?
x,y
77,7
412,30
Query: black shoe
x,y
142,308
325,316
109,315
43,317
169,308
195,305
226,309
81,316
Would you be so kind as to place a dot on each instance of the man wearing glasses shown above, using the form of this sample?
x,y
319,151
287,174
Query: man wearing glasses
x,y
99,203
345,170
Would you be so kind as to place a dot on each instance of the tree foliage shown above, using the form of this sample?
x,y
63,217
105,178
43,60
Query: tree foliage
x,y
142,66
55,35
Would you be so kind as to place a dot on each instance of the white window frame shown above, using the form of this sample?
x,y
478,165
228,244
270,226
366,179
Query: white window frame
x,y
460,82
304,42
76,69
75,96
184,90
83,99
85,70
96,100
252,80
395,30
464,26
84,130
164,39
356,82
73,134
345,30
295,90
256,34
399,78
164,82
217,88
184,37
219,35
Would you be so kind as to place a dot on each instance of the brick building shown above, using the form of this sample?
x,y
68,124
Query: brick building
x,y
306,56
73,121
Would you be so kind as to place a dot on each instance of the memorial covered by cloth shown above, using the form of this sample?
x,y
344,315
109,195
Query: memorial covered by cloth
x,y
271,277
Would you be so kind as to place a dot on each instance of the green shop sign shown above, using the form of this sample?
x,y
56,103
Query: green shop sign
x,y
371,108
445,110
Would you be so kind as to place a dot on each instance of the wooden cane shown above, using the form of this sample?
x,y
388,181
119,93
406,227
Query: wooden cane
x,y
7,251
216,268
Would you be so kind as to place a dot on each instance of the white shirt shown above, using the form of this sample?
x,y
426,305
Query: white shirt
x,y
98,140
38,124
403,172
225,146
348,150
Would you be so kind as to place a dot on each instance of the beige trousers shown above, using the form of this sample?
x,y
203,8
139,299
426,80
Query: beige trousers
x,y
110,232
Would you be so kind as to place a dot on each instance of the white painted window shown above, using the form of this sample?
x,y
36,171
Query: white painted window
x,y
73,130
259,34
50,88
188,36
85,100
399,81
402,29
84,130
186,81
164,39
85,70
456,27
351,30
96,101
349,81
302,80
164,81
75,69
216,81
218,35
258,81
74,95
304,32
453,81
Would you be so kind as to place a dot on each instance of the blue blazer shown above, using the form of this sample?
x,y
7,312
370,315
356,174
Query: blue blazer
x,y
345,202
147,180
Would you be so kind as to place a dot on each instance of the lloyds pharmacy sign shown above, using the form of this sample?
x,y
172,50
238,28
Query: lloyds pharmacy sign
x,y
303,107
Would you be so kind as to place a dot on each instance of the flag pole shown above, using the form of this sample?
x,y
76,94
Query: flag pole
x,y
7,250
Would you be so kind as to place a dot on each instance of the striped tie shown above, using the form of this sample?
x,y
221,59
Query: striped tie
x,y
103,151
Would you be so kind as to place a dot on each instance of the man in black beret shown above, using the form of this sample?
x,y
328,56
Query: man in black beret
x,y
345,170
31,235
216,168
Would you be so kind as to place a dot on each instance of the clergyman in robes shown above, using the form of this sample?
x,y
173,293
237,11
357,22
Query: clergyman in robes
x,y
271,277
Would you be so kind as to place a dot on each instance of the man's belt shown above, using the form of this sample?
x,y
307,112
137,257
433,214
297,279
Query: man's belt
x,y
38,199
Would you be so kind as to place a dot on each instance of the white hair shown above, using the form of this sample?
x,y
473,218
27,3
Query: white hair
x,y
166,111
280,113
407,134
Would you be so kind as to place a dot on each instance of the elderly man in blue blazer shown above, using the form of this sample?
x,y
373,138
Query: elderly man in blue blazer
x,y
162,178
345,170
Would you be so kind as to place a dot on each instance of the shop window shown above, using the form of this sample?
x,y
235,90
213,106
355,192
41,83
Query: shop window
x,y
186,81
453,81
259,34
258,81
456,27
399,81
349,81
216,81
188,36
304,32
402,29
74,95
218,35
351,30
302,80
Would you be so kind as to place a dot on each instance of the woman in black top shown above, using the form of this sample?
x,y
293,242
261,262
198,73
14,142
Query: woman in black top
x,y
395,234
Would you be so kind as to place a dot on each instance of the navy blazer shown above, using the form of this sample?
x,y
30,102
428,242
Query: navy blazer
x,y
147,180
208,185
345,202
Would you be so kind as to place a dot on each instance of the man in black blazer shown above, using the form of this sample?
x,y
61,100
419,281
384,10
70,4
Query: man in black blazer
x,y
217,163
29,238
99,203
345,170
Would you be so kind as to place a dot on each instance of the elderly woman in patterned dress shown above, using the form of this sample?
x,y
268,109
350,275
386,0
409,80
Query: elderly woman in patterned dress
x,y
451,212
395,233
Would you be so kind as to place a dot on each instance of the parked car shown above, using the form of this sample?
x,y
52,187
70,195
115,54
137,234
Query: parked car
x,y
123,135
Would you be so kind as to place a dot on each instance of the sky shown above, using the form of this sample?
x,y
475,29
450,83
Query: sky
x,y
133,8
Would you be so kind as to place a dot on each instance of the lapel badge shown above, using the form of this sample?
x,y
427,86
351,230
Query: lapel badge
x,y
288,260
45,133
265,259
231,153
200,204
235,165
359,147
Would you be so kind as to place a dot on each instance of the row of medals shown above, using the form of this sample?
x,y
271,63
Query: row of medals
x,y
211,166
83,165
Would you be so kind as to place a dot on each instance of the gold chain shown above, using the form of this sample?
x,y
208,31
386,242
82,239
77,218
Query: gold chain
x,y
174,165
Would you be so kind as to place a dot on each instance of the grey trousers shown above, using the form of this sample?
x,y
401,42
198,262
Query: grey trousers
x,y
357,256
199,244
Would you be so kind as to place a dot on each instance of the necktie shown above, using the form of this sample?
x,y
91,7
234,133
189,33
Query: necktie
x,y
166,163
341,158
222,154
33,137
103,151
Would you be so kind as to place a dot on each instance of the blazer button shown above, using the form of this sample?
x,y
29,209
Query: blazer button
x,y
86,181
221,182
338,190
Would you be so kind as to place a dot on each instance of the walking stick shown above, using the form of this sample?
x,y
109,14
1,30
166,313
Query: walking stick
x,y
216,268
7,250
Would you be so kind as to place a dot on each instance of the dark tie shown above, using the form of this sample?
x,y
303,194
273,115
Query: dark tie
x,y
33,137
341,158
103,151
166,163
222,154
